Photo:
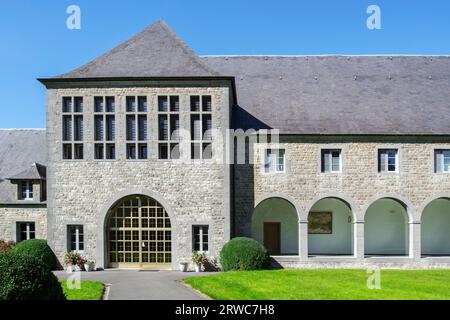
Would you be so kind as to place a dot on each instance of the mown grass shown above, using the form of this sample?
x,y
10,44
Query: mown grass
x,y
324,285
89,290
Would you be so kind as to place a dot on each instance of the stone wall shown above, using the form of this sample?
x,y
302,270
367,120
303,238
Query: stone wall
x,y
359,183
82,191
10,215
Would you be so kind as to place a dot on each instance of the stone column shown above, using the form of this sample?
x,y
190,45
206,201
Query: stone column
x,y
415,240
358,240
303,240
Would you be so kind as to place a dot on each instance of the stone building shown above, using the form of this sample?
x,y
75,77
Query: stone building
x,y
154,152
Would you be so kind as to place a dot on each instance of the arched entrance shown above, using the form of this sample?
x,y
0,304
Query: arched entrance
x,y
275,226
386,228
330,228
436,228
139,234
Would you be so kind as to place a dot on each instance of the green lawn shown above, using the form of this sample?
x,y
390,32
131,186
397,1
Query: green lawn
x,y
90,290
323,285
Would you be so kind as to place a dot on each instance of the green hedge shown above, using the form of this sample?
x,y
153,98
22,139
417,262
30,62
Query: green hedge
x,y
38,249
244,254
24,277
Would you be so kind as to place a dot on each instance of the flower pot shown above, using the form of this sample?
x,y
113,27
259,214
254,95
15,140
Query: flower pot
x,y
198,267
183,266
71,268
88,267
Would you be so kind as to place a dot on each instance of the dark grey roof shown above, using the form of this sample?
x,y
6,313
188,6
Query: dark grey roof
x,y
35,172
20,149
340,94
154,52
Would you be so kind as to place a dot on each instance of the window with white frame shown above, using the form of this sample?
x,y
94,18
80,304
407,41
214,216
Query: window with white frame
x,y
331,161
168,127
25,231
442,161
274,161
388,160
200,238
75,238
26,190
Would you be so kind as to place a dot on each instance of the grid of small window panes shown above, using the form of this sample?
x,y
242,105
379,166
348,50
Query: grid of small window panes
x,y
201,127
72,128
168,127
139,232
136,127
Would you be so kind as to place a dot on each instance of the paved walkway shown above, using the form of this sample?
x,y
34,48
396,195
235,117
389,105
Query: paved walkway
x,y
142,285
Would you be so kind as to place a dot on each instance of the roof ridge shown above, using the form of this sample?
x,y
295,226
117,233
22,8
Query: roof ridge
x,y
322,55
157,27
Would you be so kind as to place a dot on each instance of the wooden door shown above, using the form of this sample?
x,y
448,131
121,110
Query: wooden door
x,y
272,237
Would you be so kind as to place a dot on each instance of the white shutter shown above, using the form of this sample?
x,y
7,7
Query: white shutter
x,y
326,161
383,161
439,161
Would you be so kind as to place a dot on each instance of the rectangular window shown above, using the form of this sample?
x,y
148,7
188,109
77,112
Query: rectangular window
x,y
331,161
72,128
75,237
274,161
99,151
78,104
168,127
136,128
388,160
201,127
67,105
26,190
142,104
442,161
131,151
110,104
200,238
78,151
110,151
25,231
67,151
104,128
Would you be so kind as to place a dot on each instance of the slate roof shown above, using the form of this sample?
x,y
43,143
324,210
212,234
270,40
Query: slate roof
x,y
299,94
154,52
35,172
20,150
340,94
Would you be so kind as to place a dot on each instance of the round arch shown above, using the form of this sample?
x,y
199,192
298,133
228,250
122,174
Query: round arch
x,y
102,221
342,197
275,225
387,221
435,227
404,201
330,225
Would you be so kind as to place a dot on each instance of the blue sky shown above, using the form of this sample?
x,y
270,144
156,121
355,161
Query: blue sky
x,y
36,42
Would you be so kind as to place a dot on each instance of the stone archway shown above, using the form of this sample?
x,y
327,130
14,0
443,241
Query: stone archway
x,y
386,228
138,234
435,224
275,225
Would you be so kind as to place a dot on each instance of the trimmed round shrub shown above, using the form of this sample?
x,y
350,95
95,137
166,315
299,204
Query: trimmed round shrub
x,y
244,254
24,277
38,249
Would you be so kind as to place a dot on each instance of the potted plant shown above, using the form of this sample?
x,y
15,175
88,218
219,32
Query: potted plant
x,y
89,265
183,265
71,259
199,260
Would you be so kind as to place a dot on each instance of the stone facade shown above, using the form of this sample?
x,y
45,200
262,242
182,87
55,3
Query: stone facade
x,y
11,215
359,184
82,191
